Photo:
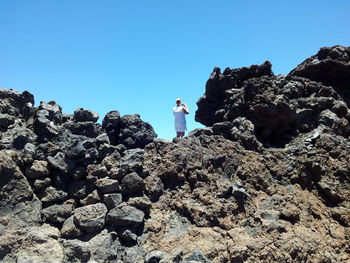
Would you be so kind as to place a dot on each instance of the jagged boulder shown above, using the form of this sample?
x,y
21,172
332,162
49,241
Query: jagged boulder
x,y
111,123
135,133
330,66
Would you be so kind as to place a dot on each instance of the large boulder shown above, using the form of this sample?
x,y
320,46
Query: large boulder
x,y
135,133
132,183
330,66
211,104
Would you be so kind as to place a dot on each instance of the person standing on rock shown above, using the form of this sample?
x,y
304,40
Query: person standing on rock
x,y
179,112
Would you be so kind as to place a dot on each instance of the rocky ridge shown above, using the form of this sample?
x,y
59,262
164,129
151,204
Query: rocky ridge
x,y
268,179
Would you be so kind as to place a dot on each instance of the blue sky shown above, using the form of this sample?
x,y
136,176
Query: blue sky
x,y
139,56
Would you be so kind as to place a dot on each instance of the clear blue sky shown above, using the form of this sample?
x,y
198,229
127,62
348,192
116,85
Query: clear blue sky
x,y
139,56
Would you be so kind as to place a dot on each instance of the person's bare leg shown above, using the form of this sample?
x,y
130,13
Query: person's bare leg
x,y
178,134
182,134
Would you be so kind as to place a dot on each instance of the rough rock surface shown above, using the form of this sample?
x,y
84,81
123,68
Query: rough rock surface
x,y
268,179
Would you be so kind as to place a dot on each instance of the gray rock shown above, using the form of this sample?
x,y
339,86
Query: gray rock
x,y
92,198
107,185
101,139
77,189
76,251
61,163
76,150
104,247
41,183
69,229
132,183
53,195
90,218
57,213
38,169
81,115
125,215
112,200
133,160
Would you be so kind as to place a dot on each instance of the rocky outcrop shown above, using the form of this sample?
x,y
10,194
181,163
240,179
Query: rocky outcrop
x,y
279,107
268,179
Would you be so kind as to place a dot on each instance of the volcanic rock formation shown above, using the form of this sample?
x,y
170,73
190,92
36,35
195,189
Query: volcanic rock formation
x,y
268,179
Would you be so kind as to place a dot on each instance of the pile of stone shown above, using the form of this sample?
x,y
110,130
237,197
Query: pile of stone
x,y
84,177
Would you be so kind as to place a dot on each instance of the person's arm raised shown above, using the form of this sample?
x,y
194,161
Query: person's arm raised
x,y
185,109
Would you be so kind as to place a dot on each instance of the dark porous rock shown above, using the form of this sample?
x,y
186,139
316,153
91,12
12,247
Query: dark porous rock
x,y
69,229
15,103
104,247
93,198
105,150
78,173
61,162
54,110
75,150
135,133
133,160
201,131
132,183
38,169
76,250
60,180
90,218
43,126
125,215
89,129
77,189
154,187
81,115
5,121
101,139
329,66
112,200
22,136
57,213
53,195
40,184
211,105
46,149
128,237
107,185
111,123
